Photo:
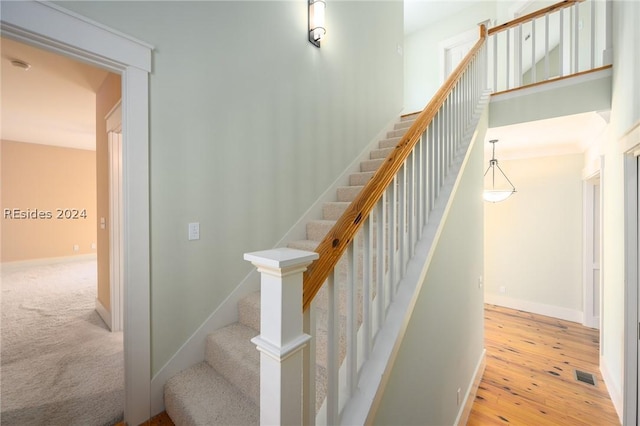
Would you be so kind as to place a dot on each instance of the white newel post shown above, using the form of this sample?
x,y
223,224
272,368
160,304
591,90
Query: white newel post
x,y
281,339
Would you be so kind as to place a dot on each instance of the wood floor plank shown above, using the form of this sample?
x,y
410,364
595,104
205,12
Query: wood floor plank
x,y
529,377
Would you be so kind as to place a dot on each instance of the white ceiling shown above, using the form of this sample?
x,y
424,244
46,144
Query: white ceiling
x,y
422,13
555,136
53,103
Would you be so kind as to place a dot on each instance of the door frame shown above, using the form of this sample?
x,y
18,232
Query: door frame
x,y
589,184
116,281
631,396
448,44
56,29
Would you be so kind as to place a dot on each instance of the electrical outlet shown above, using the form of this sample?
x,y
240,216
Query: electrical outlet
x,y
480,281
76,247
502,289
459,396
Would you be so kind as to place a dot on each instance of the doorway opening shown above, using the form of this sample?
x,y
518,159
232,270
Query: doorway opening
x,y
55,29
54,322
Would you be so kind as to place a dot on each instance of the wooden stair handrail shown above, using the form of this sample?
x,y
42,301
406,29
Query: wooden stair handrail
x,y
533,15
332,247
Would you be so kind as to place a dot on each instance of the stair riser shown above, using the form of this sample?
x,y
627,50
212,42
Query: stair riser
x,y
360,179
317,229
371,165
388,143
348,193
381,153
403,125
410,117
249,311
230,352
396,133
333,211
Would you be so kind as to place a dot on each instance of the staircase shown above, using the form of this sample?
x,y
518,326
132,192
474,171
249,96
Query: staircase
x,y
224,389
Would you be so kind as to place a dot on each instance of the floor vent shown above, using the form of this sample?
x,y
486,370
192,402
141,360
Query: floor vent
x,y
585,377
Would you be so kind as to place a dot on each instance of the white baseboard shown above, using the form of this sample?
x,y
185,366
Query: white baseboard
x,y
20,264
535,307
614,393
470,396
104,313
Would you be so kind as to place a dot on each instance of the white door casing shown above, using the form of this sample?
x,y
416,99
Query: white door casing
x,y
116,279
56,29
452,50
631,395
592,252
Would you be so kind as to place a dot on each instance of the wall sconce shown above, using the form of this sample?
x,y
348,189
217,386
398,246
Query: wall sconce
x,y
316,21
494,195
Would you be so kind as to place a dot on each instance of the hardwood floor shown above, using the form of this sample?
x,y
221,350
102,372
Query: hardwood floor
x,y
530,373
161,419
529,376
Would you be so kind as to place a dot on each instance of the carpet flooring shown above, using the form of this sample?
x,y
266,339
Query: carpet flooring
x,y
59,363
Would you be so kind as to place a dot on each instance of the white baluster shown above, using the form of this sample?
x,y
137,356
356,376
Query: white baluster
x,y
352,312
368,258
593,34
546,46
333,350
309,367
561,50
534,78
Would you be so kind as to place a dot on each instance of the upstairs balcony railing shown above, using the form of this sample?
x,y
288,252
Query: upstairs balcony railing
x,y
566,38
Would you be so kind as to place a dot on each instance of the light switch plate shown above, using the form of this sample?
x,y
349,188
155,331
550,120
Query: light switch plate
x,y
194,231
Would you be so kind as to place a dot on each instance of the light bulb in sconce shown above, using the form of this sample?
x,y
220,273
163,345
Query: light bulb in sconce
x,y
317,29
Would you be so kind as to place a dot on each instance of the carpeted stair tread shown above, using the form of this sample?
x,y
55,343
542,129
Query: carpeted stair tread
x,y
231,353
200,396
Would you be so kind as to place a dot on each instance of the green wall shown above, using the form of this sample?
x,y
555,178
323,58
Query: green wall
x,y
249,124
444,340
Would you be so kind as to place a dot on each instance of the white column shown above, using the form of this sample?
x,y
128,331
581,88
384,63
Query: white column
x,y
281,338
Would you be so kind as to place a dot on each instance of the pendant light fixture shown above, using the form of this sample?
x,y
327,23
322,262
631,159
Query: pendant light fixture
x,y
500,193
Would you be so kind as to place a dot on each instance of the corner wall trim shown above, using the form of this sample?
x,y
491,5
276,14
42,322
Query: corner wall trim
x,y
615,396
104,314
